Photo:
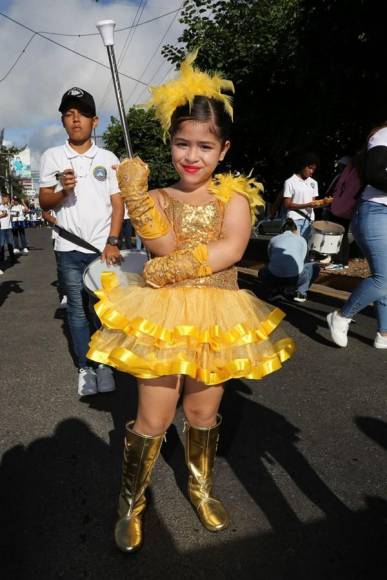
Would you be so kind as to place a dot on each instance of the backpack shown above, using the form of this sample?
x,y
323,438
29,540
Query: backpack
x,y
346,190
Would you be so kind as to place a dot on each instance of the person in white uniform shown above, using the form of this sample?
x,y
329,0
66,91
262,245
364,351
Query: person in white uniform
x,y
6,238
78,181
300,192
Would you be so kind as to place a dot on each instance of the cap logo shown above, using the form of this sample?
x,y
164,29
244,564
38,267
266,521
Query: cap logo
x,y
75,92
100,173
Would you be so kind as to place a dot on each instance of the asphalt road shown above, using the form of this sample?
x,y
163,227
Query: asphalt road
x,y
302,466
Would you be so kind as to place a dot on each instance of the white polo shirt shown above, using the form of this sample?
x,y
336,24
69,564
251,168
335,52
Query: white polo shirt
x,y
17,213
87,211
301,191
5,222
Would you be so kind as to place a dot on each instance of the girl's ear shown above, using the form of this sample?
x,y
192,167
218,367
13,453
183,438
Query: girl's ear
x,y
95,122
225,148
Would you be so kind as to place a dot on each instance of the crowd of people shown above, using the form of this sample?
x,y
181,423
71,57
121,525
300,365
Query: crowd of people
x,y
185,328
15,216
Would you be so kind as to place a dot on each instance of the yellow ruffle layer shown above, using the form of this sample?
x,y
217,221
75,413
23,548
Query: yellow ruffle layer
x,y
192,331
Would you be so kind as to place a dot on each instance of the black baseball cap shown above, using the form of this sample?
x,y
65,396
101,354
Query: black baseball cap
x,y
79,99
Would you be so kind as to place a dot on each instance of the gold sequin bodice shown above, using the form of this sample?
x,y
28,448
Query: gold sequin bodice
x,y
199,224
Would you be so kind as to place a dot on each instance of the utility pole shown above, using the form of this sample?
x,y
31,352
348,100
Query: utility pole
x,y
8,172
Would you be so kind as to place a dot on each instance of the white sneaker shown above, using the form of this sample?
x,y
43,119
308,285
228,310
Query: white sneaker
x,y
87,382
105,379
16,251
63,303
25,251
1,272
380,341
338,325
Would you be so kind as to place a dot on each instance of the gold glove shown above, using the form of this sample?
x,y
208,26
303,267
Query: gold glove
x,y
178,266
149,223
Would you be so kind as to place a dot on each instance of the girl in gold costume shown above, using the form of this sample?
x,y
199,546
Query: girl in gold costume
x,y
185,328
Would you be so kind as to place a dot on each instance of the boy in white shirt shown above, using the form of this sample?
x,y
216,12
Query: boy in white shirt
x,y
18,212
78,182
6,237
300,192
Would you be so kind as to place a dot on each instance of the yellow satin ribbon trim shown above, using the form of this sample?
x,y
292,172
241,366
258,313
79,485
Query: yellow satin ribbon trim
x,y
150,367
214,336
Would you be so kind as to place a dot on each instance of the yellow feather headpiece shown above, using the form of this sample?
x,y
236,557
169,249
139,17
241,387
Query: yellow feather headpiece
x,y
224,185
190,83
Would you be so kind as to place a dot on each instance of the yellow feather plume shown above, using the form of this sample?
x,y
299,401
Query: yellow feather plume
x,y
225,185
190,83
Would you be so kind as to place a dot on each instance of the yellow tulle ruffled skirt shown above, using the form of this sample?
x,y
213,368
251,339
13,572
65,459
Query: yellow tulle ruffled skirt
x,y
209,334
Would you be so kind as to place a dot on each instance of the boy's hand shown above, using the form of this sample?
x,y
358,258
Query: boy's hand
x,y
111,255
67,181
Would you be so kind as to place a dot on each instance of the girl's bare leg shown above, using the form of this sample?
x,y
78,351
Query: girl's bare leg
x,y
201,402
157,401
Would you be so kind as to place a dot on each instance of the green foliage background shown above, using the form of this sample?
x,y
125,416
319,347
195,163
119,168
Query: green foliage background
x,y
309,75
147,142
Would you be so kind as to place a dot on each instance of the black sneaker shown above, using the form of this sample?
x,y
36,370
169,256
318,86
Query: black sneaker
x,y
299,297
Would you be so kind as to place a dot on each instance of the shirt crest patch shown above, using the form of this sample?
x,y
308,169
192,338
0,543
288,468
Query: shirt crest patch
x,y
100,173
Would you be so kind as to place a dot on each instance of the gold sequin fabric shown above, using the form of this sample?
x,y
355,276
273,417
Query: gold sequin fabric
x,y
199,224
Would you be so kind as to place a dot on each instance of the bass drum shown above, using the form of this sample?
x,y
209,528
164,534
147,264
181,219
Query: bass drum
x,y
132,263
326,237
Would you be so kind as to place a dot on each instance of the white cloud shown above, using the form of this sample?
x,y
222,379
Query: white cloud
x,y
30,96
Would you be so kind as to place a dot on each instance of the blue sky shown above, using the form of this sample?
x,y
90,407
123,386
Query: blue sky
x,y
30,95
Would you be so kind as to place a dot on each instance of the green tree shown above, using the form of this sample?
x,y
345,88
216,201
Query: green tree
x,y
147,142
307,74
8,181
250,42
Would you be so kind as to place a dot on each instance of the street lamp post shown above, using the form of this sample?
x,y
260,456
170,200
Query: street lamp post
x,y
106,30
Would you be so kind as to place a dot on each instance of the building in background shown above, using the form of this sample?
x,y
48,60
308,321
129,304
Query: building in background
x,y
21,170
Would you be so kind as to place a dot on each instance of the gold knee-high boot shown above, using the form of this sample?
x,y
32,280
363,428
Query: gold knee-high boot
x,y
140,455
200,450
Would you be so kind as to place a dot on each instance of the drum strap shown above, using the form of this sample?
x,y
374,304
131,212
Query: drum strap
x,y
304,215
70,237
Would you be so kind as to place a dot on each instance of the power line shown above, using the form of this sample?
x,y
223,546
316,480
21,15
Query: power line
x,y
97,33
18,58
132,31
126,43
35,33
155,52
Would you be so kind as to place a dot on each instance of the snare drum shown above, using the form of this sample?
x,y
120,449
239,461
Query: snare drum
x,y
326,237
132,263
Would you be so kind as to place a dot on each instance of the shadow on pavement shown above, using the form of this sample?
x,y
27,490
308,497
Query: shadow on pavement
x,y
59,495
375,429
254,436
8,287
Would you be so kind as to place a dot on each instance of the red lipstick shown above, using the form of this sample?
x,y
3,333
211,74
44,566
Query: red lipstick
x,y
190,168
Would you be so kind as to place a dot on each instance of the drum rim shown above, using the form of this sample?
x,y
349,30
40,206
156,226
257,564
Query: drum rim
x,y
317,229
328,233
124,253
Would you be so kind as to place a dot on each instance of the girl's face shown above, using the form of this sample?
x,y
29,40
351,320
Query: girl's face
x,y
196,151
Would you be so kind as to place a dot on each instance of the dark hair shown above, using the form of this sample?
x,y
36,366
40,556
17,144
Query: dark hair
x,y
305,160
204,110
288,226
